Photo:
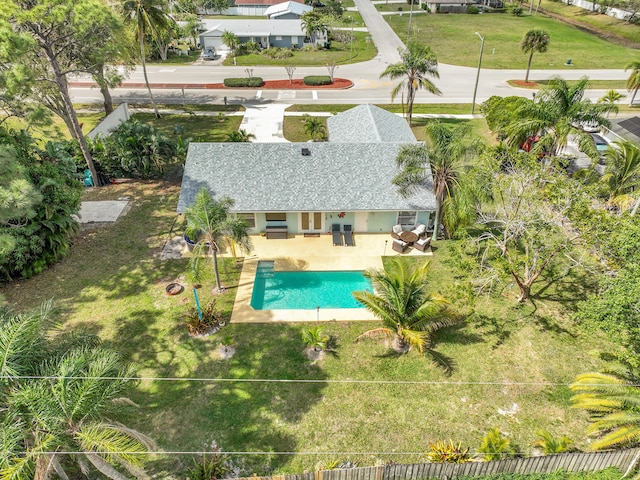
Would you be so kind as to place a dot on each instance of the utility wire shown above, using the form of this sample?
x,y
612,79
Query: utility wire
x,y
294,381
208,452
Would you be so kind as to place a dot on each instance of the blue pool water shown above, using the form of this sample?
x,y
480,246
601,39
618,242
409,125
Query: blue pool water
x,y
306,290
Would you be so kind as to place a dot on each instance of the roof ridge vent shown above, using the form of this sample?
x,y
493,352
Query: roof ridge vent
x,y
306,152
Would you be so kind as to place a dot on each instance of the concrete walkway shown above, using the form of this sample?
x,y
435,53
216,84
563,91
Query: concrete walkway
x,y
264,121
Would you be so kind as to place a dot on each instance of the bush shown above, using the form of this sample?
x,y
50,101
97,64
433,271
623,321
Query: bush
x,y
212,319
317,80
244,82
447,452
247,48
426,8
277,52
473,10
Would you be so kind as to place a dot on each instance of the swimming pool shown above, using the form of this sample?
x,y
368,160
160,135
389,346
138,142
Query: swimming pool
x,y
306,290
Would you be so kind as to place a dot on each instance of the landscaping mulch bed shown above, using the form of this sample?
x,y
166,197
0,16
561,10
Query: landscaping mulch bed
x,y
338,83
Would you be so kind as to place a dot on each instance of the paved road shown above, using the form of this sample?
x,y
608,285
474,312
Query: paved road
x,y
456,83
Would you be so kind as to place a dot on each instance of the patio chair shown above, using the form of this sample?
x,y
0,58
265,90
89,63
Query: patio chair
x,y
422,243
396,231
398,245
348,236
87,181
420,229
335,232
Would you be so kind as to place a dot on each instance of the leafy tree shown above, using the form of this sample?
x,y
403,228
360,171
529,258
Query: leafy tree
x,y
240,135
622,173
418,62
524,235
315,128
231,40
534,41
218,6
613,402
495,446
192,28
633,82
39,231
211,224
499,113
70,411
149,17
41,35
410,314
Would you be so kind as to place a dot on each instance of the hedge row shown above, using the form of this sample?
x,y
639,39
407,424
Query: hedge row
x,y
244,82
318,80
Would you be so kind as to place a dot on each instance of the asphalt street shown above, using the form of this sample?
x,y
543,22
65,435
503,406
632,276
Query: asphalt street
x,y
455,82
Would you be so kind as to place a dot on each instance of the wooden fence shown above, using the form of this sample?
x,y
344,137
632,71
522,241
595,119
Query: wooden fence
x,y
571,462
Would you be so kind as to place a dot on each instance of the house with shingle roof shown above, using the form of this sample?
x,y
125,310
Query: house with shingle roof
x,y
287,10
266,33
304,188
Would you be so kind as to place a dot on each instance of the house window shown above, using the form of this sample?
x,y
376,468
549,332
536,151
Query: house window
x,y
249,218
407,219
278,38
276,217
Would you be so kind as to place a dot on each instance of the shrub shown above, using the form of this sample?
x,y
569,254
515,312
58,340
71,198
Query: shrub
x,y
495,446
247,48
308,48
212,319
277,52
317,80
426,8
473,10
244,82
550,445
448,452
214,466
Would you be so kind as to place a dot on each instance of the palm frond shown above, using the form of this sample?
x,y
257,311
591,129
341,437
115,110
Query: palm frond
x,y
376,333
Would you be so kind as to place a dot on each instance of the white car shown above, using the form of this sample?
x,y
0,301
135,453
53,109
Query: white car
x,y
208,54
590,127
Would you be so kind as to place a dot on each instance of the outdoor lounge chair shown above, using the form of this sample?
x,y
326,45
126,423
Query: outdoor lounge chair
x,y
399,246
335,232
396,231
420,230
422,243
348,236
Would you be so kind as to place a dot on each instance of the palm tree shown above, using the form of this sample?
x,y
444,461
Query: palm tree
x,y
418,62
68,409
150,18
315,128
210,224
633,82
314,22
613,400
231,40
534,41
610,98
557,111
410,314
622,174
240,136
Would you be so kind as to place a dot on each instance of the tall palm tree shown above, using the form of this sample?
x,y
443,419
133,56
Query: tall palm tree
x,y
68,410
418,62
231,40
633,82
409,312
622,173
556,112
210,223
613,400
314,22
150,18
534,41
315,128
240,136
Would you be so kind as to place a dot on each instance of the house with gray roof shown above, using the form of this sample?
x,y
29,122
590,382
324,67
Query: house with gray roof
x,y
304,188
287,10
266,33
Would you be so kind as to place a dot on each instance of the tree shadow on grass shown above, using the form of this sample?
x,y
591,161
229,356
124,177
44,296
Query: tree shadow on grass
x,y
567,288
496,328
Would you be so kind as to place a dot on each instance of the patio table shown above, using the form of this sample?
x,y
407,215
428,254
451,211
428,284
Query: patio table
x,y
408,236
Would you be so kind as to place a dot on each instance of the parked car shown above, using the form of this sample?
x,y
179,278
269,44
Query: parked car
x,y
208,54
590,126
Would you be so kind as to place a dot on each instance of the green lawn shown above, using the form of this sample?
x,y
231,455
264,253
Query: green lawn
x,y
199,128
293,128
363,50
593,84
453,40
112,285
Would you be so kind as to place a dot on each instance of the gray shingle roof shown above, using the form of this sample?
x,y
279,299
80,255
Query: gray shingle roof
x,y
248,27
276,177
368,123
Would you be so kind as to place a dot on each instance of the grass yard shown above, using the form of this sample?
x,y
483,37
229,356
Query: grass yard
x,y
293,128
199,128
112,285
593,84
453,40
339,53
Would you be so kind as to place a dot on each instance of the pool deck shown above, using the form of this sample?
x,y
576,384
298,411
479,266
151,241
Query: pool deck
x,y
310,253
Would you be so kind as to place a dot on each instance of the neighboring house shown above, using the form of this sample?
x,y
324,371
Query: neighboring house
x,y
447,6
254,7
625,128
266,33
307,187
287,10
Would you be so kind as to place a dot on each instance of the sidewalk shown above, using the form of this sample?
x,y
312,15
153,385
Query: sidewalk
x,y
265,122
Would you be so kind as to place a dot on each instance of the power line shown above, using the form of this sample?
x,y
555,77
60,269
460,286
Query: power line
x,y
312,381
208,452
